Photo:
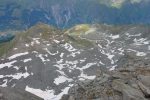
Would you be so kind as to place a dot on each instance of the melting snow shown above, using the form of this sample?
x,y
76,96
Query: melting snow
x,y
50,52
48,44
138,53
36,40
4,84
60,66
18,55
8,64
16,76
56,41
141,54
84,76
110,56
114,36
140,41
15,48
69,47
16,67
27,45
47,94
88,65
113,68
130,35
27,60
41,57
61,79
61,55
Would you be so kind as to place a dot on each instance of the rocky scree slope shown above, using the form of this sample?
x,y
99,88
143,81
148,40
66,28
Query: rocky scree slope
x,y
129,82
50,61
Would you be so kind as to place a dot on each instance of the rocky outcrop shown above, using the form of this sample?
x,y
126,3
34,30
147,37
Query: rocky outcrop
x,y
16,94
125,83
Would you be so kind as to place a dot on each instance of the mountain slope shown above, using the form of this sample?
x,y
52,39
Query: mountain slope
x,y
49,60
131,81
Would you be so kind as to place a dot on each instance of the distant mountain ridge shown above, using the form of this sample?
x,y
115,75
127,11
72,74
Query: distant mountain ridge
x,y
21,14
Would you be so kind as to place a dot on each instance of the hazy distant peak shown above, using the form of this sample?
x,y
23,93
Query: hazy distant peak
x,y
119,3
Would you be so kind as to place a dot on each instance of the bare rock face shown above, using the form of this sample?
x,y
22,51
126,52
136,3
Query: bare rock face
x,y
16,94
126,83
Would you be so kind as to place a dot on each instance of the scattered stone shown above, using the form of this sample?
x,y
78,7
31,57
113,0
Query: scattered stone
x,y
121,84
129,93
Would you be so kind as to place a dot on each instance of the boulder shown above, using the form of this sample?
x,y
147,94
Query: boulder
x,y
144,79
129,93
144,89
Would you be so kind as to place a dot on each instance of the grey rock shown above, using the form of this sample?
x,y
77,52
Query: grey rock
x,y
71,98
16,94
97,99
129,69
145,80
129,93
65,97
116,85
102,79
117,75
144,89
1,95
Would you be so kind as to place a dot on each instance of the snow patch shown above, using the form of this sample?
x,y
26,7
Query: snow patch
x,y
56,41
27,45
4,84
47,94
8,64
50,52
84,76
88,65
27,60
61,79
130,35
141,54
114,36
16,76
140,41
18,55
113,68
42,58
69,47
15,48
